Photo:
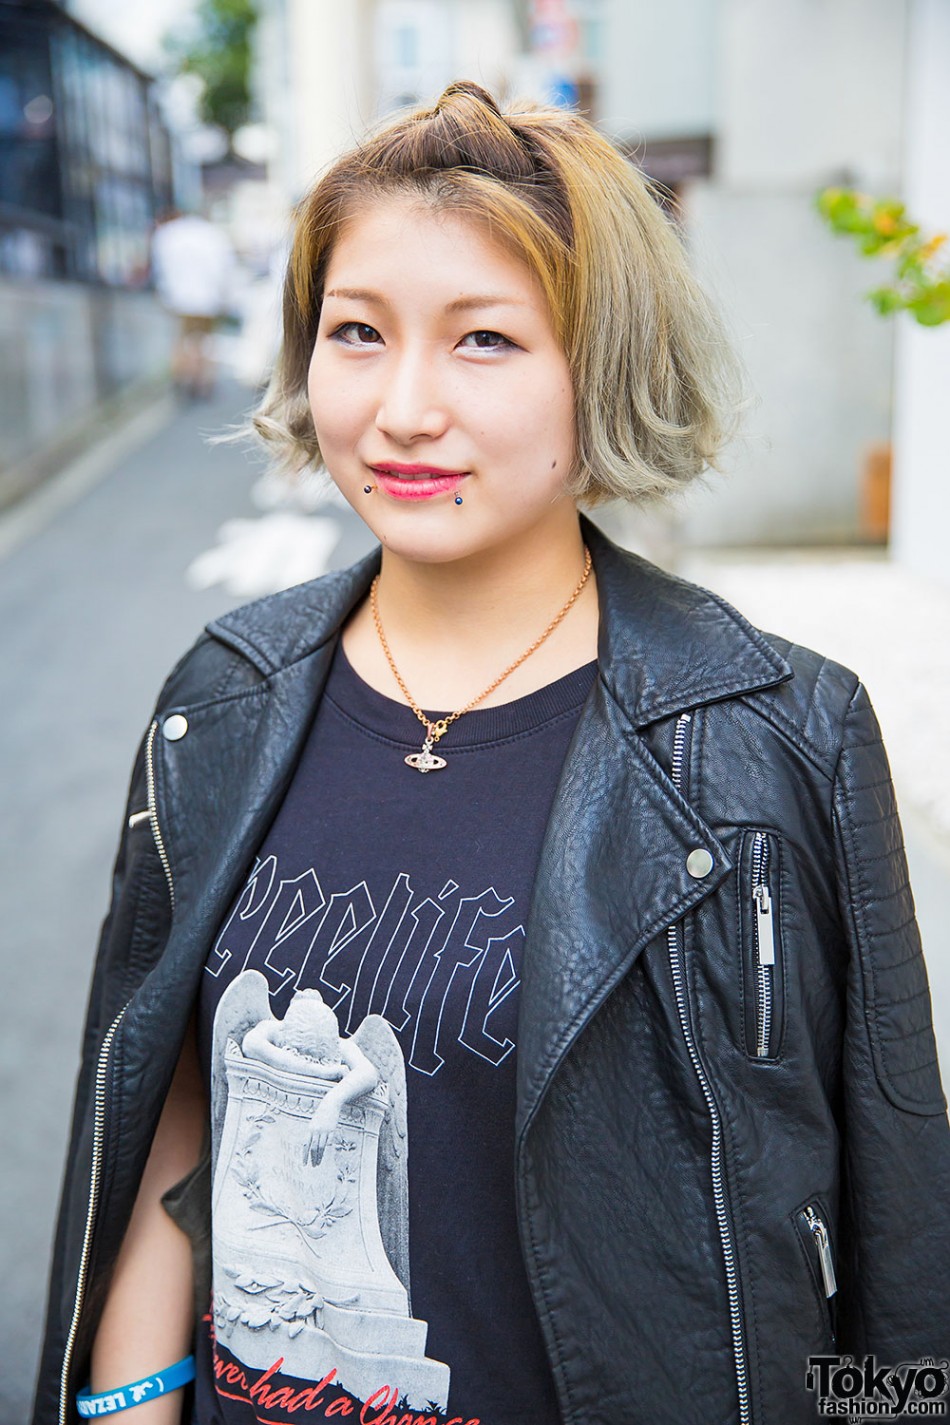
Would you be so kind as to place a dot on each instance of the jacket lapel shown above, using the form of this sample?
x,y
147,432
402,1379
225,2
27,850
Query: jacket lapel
x,y
218,788
216,792
612,873
665,644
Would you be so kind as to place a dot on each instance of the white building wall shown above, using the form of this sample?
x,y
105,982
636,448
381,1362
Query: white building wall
x,y
921,516
330,79
807,93
423,45
658,72
485,43
273,95
807,89
818,363
328,70
796,95
314,83
412,49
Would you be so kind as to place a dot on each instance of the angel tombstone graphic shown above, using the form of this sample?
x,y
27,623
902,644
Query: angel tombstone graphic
x,y
310,1200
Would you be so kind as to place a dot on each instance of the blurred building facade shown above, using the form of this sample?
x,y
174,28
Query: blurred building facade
x,y
85,163
921,447
327,71
746,111
781,100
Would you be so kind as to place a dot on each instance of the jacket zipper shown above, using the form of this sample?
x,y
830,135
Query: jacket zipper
x,y
99,1098
719,1194
819,1232
95,1178
153,810
765,943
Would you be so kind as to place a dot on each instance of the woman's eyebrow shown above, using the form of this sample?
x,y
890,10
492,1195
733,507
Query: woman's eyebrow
x,y
358,294
460,304
466,304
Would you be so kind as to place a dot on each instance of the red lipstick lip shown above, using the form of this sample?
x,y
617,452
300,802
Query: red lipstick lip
x,y
417,487
435,471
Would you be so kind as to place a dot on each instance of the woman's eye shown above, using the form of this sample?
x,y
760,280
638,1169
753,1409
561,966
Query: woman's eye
x,y
487,340
356,334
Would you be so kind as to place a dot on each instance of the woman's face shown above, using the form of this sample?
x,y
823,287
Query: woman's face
x,y
435,352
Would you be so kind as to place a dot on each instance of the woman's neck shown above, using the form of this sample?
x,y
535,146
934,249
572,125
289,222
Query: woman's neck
x,y
453,627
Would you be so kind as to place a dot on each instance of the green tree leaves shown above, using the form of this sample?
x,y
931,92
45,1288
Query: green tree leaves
x,y
219,51
881,229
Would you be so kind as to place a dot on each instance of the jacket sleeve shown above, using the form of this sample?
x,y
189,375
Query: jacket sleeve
x,y
139,906
132,933
134,898
894,1235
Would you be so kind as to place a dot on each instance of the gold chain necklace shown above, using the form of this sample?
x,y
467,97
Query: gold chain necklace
x,y
426,760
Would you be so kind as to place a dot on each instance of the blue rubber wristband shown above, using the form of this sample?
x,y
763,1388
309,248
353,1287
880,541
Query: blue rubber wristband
x,y
125,1396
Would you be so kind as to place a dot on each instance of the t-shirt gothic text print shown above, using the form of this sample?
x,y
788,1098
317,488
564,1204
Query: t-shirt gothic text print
x,y
358,1029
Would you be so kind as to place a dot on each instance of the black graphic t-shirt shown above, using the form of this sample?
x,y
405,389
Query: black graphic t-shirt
x,y
358,1025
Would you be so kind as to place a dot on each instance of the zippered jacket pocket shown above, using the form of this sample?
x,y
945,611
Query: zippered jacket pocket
x,y
762,960
814,1230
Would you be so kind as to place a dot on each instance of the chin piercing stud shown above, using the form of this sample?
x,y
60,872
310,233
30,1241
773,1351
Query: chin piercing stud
x,y
367,489
458,499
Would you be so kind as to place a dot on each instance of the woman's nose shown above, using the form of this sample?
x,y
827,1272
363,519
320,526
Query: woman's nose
x,y
411,403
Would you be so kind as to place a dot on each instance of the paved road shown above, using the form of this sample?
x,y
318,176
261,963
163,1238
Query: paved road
x,y
94,609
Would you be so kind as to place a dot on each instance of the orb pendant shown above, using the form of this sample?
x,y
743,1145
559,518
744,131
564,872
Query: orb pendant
x,y
426,760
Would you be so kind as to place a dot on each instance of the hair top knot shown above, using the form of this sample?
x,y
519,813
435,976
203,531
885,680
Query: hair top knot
x,y
466,89
463,132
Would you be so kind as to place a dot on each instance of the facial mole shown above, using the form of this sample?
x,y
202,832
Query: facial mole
x,y
553,464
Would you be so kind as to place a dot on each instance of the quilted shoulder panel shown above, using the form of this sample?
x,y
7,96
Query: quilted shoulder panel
x,y
877,908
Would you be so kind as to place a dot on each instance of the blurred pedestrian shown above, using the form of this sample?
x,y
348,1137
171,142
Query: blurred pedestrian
x,y
564,1054
193,269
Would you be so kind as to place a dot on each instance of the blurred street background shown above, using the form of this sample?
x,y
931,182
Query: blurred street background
x,y
126,129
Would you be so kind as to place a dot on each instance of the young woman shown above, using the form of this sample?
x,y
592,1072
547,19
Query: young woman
x,y
511,1008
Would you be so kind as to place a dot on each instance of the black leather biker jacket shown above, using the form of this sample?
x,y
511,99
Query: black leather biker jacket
x,y
704,1139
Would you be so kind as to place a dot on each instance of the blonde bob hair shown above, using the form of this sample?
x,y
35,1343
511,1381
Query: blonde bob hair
x,y
656,384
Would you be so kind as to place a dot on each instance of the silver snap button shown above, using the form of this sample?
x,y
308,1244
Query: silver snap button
x,y
174,727
699,863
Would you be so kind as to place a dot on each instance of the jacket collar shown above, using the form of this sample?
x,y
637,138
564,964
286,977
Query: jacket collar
x,y
664,644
